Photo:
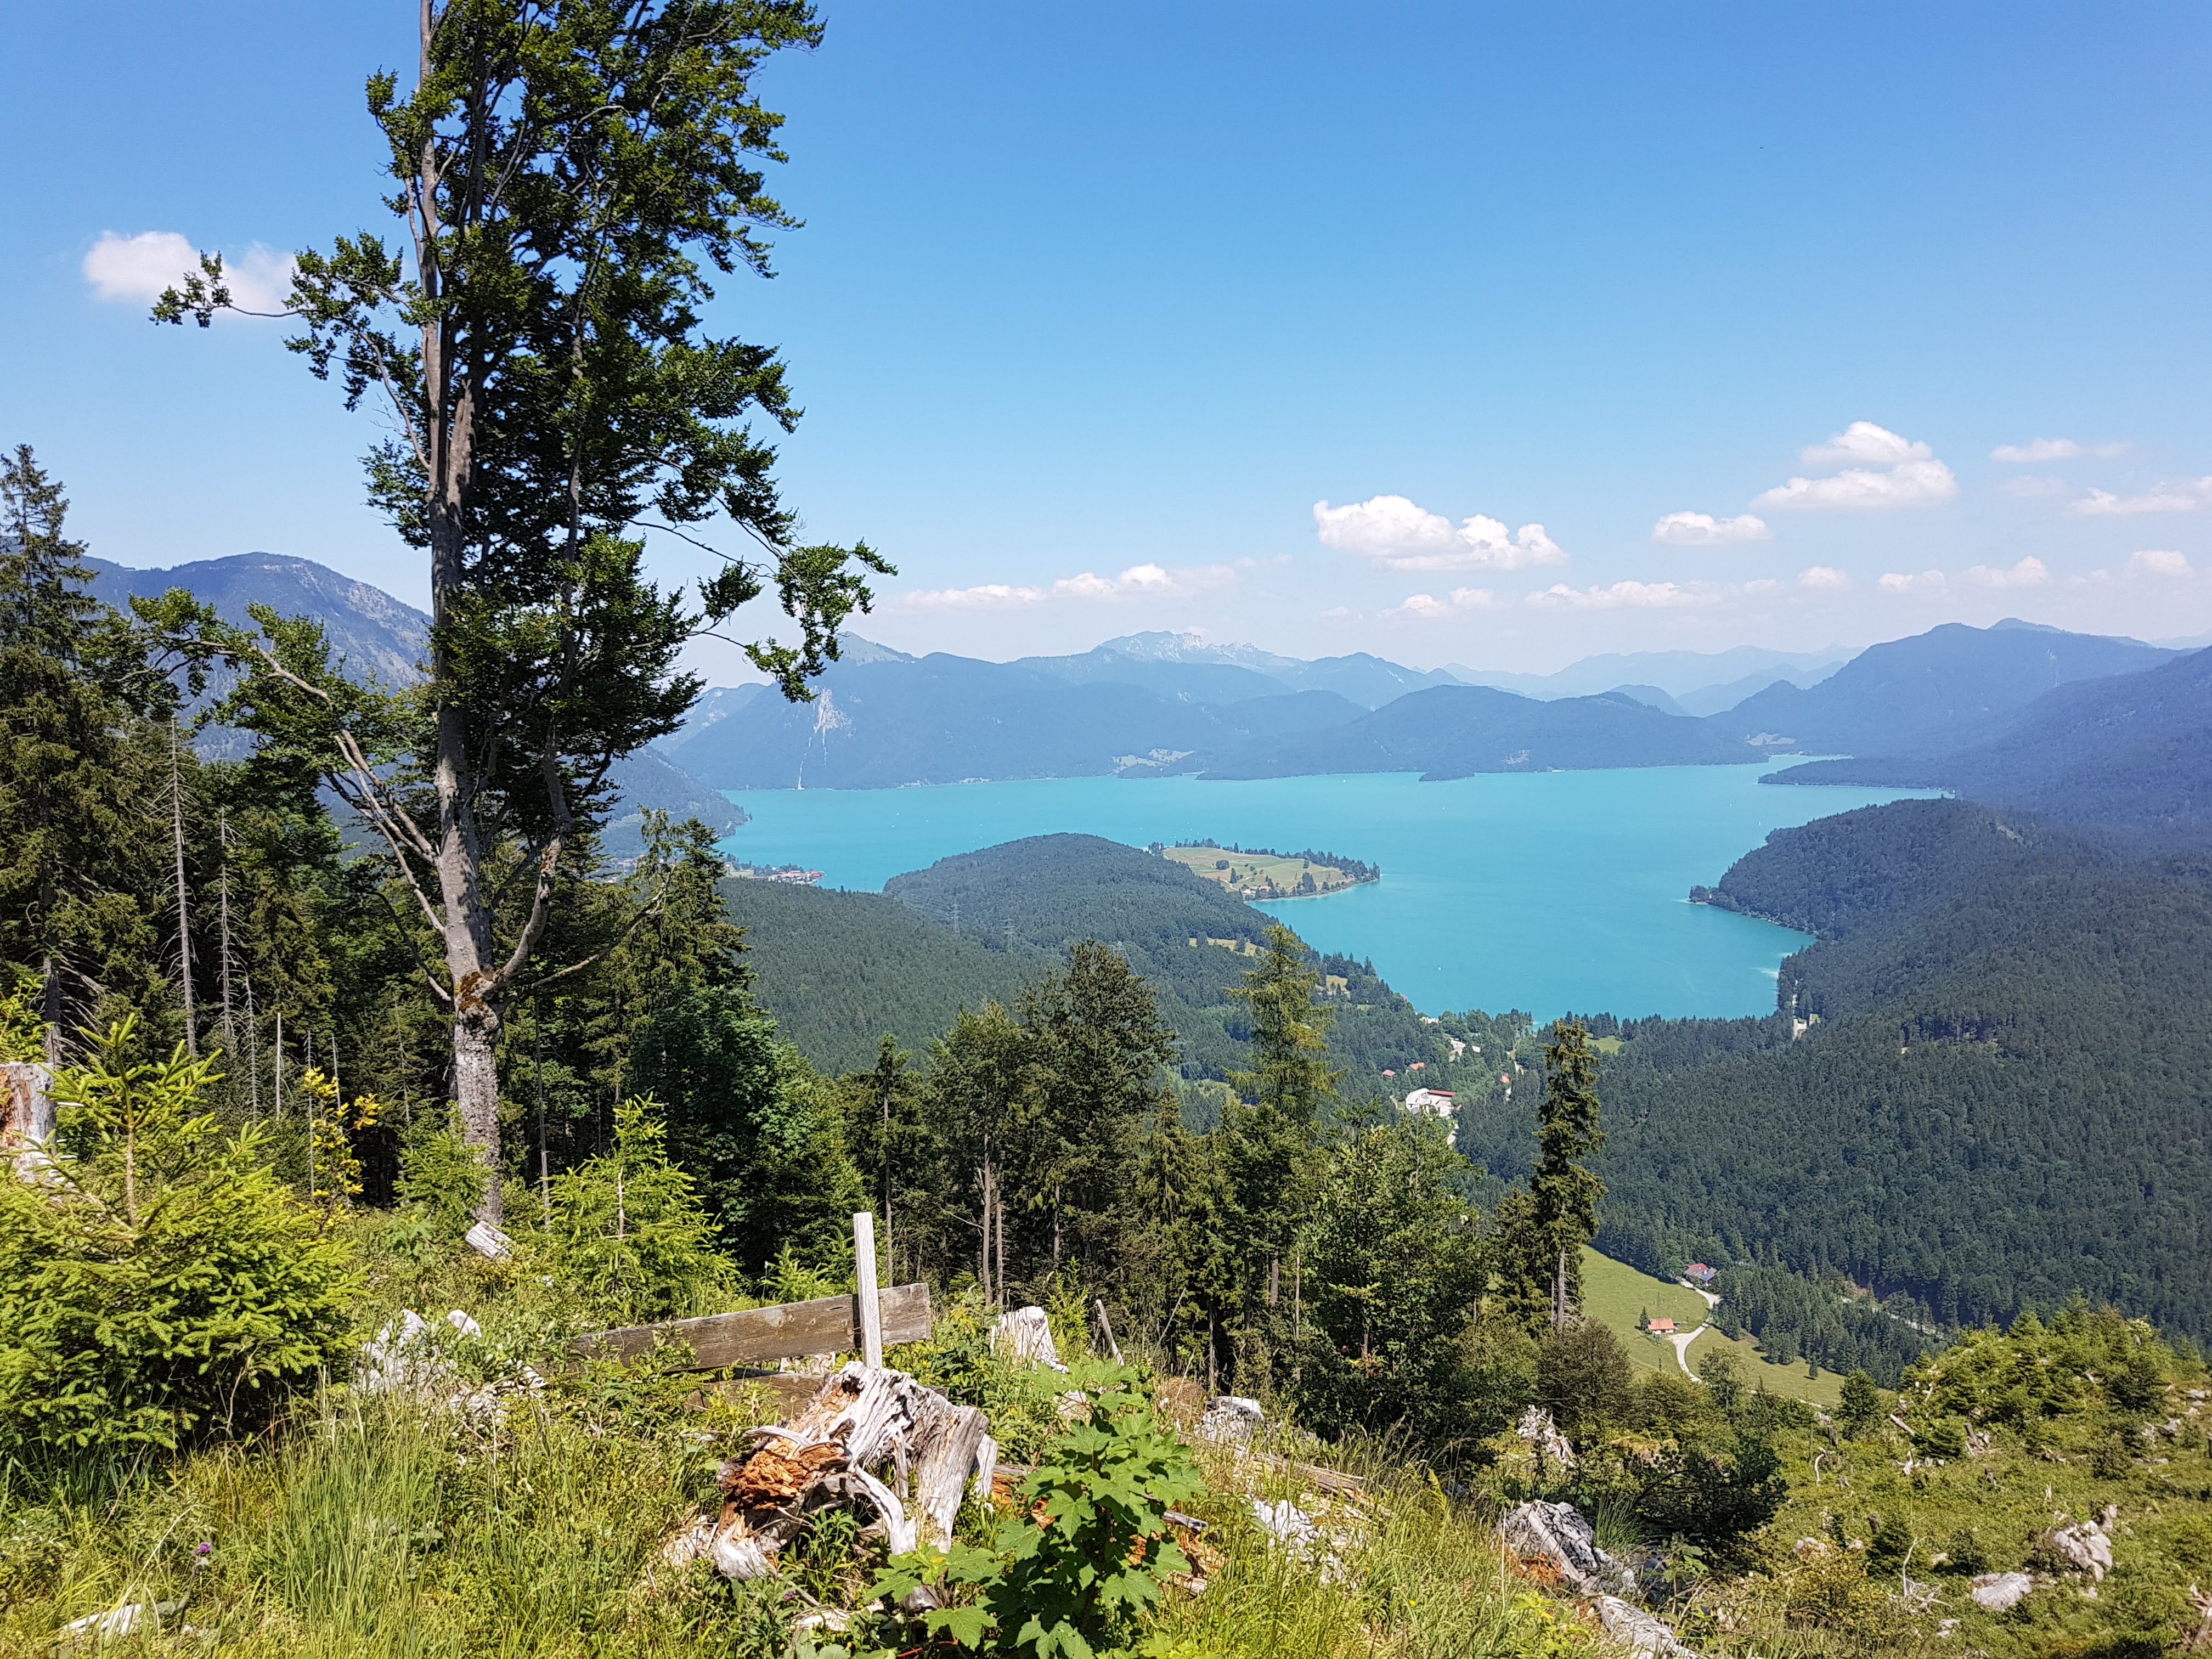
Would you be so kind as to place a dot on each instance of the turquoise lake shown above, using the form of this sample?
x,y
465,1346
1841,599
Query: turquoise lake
x,y
1550,892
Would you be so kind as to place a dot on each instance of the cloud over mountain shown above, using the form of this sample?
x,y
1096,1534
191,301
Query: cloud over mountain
x,y
1399,535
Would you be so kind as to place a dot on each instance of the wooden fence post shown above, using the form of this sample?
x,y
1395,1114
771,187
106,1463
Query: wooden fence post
x,y
872,1311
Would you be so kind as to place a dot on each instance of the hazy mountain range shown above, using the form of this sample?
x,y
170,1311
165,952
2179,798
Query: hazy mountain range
x,y
372,633
2013,712
1151,704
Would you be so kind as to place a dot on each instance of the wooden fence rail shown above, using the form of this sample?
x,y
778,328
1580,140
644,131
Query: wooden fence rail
x,y
758,1336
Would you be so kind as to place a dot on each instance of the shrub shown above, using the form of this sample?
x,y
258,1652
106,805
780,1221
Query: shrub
x,y
1705,1500
1583,1376
155,1278
1084,1552
627,1228
1860,1408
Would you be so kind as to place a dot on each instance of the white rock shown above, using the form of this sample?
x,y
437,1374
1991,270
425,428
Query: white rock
x,y
1644,1635
1557,1533
1231,1419
1292,1528
401,1359
466,1326
2086,1547
1537,1428
1997,1591
125,1621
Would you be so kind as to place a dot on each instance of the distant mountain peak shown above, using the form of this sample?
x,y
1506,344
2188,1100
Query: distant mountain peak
x,y
852,648
1192,646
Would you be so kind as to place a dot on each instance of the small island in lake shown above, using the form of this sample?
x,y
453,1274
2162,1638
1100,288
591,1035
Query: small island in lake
x,y
1256,872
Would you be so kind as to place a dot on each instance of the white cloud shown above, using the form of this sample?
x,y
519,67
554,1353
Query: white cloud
x,y
2159,561
2028,573
2176,495
1631,593
1911,476
1398,535
1144,581
1821,575
1704,530
1928,581
134,270
1867,444
1428,607
2049,449
985,596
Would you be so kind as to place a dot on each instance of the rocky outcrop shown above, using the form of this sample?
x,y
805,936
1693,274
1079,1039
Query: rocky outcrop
x,y
1556,1536
2000,1591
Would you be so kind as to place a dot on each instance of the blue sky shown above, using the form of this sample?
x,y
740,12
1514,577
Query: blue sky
x,y
1400,328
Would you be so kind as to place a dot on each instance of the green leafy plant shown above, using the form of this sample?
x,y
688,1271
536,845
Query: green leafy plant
x,y
627,1227
155,1276
1069,1574
22,1033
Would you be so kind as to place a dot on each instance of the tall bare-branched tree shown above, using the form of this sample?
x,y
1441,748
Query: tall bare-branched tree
x,y
570,177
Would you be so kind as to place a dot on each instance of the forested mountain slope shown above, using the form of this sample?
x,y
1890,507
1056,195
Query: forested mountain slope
x,y
841,970
1052,890
2007,1095
948,719
1456,731
2131,754
1952,685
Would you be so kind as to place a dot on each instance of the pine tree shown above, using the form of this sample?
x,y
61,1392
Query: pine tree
x,y
628,1228
156,1279
1269,1133
1541,1231
72,785
1104,1049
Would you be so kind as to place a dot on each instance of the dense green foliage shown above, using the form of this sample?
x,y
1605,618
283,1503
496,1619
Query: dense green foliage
x,y
2000,1100
1070,1571
156,1280
755,1126
1797,1318
839,970
1391,1264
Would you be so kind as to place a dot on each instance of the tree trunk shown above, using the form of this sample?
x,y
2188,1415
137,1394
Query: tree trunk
x,y
476,1090
184,909
1559,1291
222,932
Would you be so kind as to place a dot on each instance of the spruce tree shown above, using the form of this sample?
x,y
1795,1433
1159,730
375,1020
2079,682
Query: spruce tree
x,y
1542,1230
72,829
1269,1133
1104,1050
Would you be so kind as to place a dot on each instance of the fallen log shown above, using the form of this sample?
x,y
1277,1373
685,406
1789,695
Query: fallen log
x,y
754,1336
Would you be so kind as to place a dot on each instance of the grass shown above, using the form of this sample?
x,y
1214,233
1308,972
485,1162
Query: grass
x,y
1239,871
1614,1294
1789,1381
